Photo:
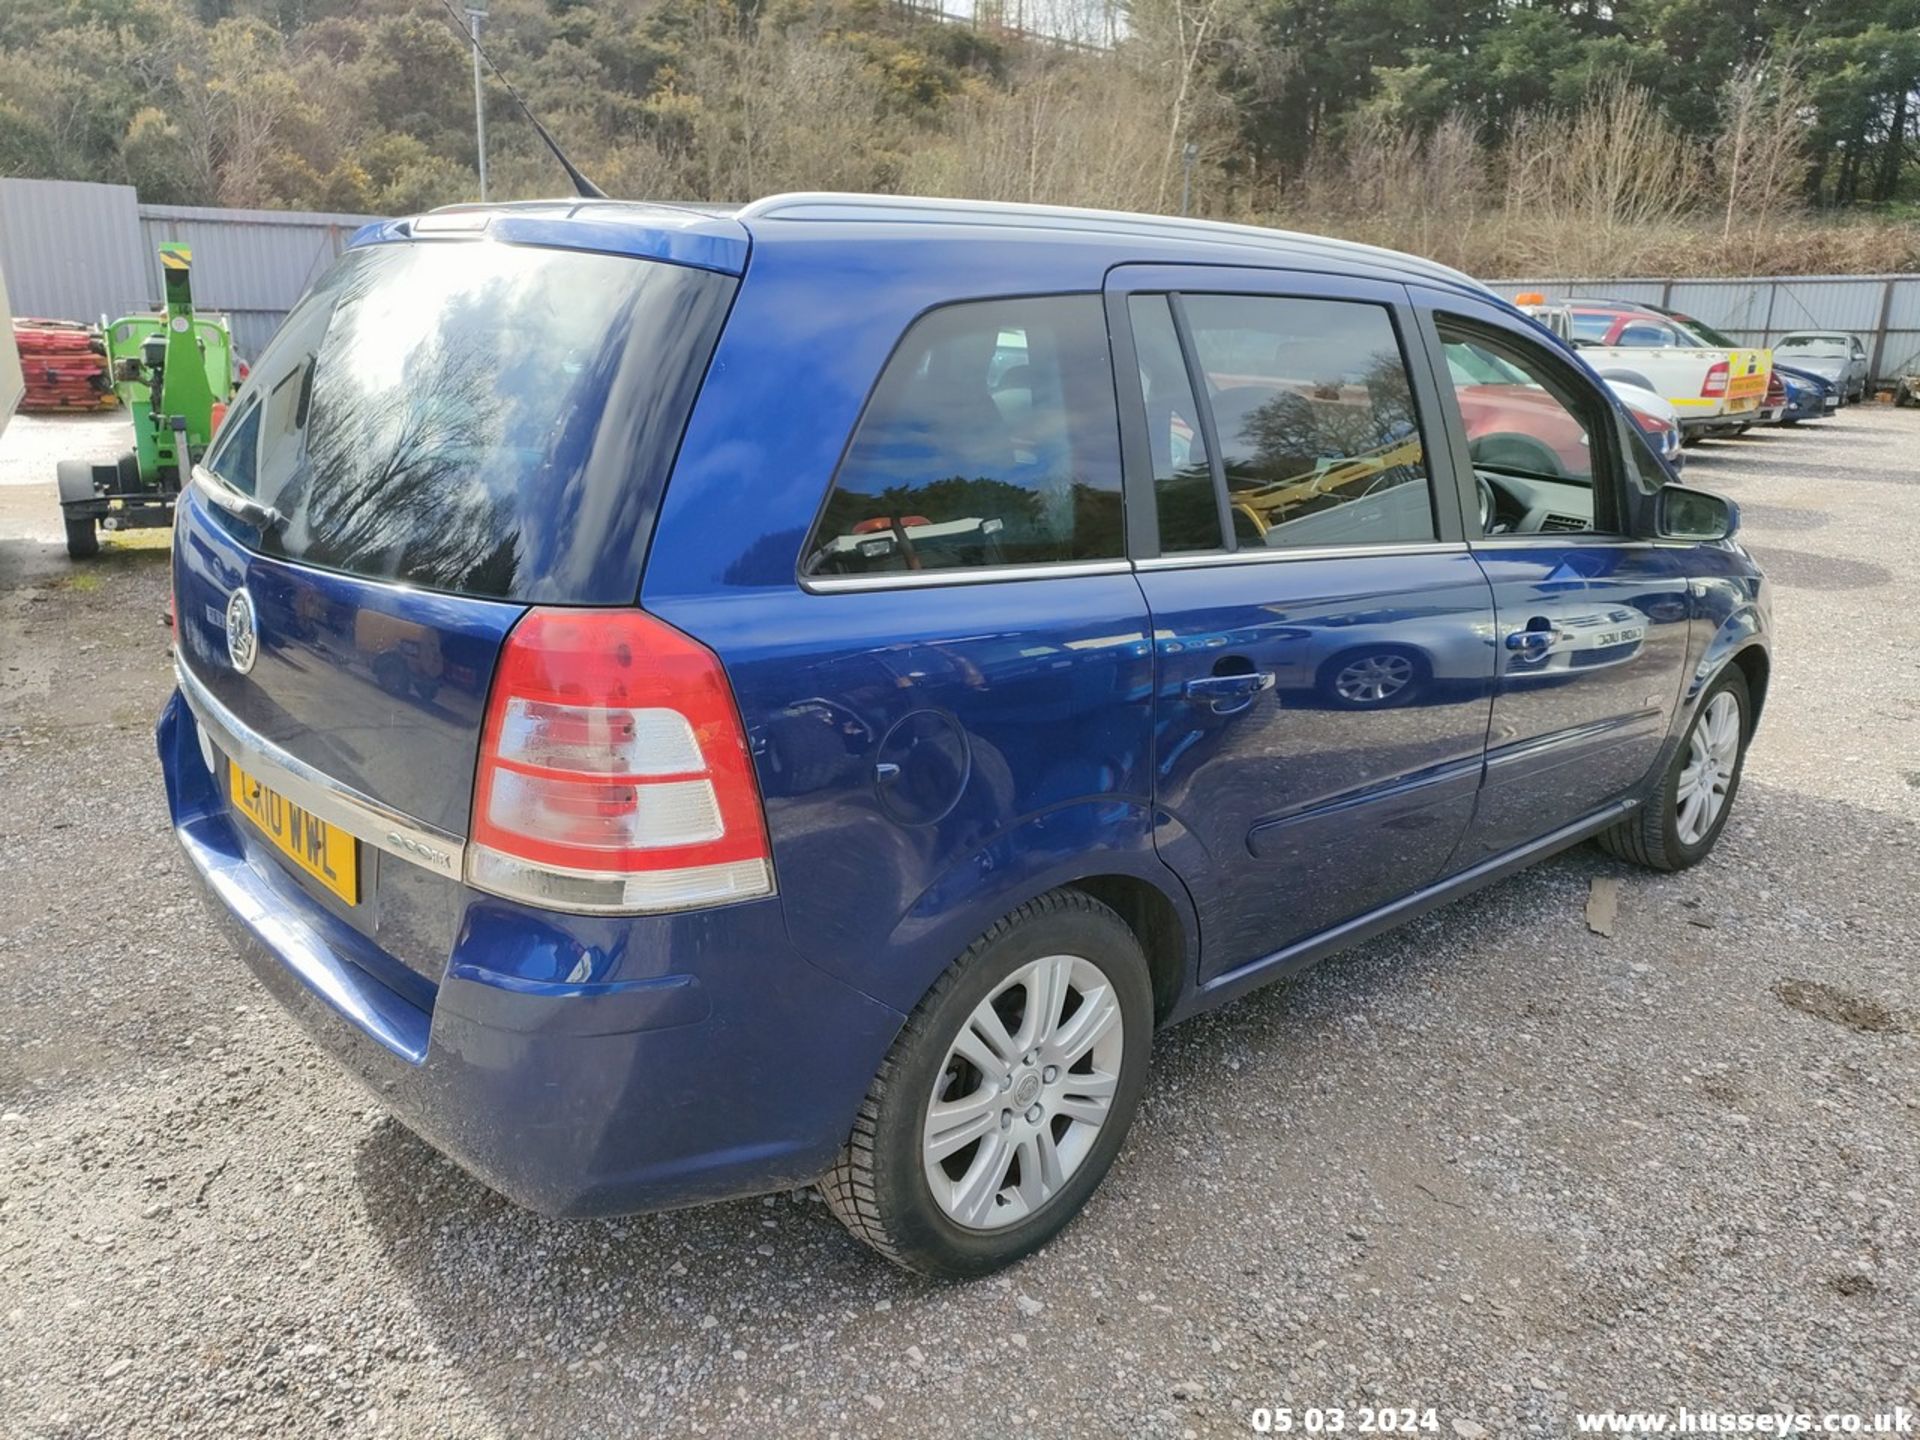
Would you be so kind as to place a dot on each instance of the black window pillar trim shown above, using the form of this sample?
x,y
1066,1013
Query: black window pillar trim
x,y
1451,462
1139,504
1203,413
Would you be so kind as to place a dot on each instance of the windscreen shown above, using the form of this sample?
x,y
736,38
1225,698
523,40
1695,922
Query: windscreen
x,y
1822,346
472,417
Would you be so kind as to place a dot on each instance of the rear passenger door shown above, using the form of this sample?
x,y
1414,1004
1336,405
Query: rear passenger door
x,y
1323,641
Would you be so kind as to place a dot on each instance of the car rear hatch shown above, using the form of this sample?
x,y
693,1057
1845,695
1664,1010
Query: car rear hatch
x,y
469,415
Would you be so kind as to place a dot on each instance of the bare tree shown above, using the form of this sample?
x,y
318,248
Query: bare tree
x,y
1390,184
1764,114
1178,39
1583,188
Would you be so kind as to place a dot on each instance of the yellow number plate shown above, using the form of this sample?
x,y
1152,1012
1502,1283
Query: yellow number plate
x,y
324,851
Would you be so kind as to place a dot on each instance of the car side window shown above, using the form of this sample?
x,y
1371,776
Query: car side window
x,y
1530,426
1313,412
1642,464
1589,326
236,459
991,439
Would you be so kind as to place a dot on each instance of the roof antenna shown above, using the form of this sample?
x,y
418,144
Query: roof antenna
x,y
581,184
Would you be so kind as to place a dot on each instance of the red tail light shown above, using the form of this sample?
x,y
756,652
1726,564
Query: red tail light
x,y
614,774
1652,424
1716,381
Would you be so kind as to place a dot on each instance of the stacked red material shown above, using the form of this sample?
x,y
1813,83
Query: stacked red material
x,y
64,364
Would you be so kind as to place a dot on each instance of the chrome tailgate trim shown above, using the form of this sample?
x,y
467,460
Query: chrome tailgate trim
x,y
361,816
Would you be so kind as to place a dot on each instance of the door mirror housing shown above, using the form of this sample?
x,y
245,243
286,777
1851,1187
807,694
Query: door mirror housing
x,y
1687,514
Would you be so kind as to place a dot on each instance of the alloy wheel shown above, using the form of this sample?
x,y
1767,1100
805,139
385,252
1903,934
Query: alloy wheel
x,y
1023,1093
1713,753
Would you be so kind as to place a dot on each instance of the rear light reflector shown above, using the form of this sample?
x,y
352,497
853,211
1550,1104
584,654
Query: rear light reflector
x,y
606,814
614,773
576,737
1716,381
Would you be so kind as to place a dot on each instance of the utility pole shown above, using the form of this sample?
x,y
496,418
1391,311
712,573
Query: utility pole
x,y
476,11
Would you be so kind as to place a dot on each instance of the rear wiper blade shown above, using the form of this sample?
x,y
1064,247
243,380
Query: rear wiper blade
x,y
236,502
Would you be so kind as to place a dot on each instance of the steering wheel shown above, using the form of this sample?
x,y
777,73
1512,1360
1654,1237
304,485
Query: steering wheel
x,y
1486,503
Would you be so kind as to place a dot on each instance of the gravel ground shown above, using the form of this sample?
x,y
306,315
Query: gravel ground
x,y
1495,1164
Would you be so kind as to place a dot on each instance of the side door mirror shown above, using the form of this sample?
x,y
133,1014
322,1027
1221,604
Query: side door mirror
x,y
1699,515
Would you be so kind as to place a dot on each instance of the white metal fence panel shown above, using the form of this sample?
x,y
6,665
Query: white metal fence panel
x,y
70,249
1903,326
73,250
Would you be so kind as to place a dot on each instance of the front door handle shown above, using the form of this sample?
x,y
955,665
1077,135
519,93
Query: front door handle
x,y
1229,693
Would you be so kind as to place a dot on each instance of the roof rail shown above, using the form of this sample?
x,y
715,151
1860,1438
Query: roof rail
x,y
831,205
585,205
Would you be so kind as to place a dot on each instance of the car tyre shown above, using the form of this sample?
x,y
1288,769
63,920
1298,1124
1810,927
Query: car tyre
x,y
882,1185
1666,834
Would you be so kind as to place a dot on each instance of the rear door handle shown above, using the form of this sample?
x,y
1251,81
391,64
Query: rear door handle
x,y
1229,693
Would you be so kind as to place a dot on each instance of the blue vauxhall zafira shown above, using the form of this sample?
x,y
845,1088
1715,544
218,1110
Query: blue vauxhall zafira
x,y
687,703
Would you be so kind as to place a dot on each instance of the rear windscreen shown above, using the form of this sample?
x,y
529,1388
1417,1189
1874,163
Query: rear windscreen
x,y
473,417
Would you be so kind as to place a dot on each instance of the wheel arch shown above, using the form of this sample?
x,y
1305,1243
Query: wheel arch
x,y
1757,665
1156,922
1737,646
1738,634
1028,861
74,482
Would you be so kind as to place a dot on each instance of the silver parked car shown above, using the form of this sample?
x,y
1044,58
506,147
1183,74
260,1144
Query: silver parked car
x,y
1830,354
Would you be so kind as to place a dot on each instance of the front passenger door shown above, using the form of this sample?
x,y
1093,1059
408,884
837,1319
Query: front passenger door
x,y
1590,621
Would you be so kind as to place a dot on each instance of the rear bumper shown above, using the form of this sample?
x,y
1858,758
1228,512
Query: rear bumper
x,y
698,1057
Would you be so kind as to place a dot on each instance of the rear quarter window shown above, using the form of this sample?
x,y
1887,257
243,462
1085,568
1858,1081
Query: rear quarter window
x,y
474,417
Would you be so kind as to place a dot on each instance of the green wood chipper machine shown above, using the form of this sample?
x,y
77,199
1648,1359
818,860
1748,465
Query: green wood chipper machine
x,y
174,372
